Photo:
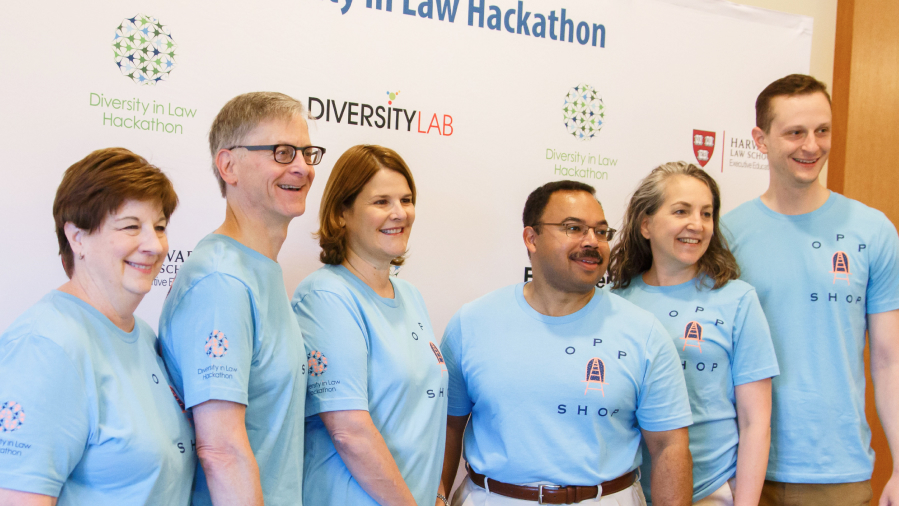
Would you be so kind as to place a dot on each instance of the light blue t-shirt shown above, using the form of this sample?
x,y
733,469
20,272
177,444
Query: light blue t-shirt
x,y
817,276
86,411
228,333
560,399
723,341
368,352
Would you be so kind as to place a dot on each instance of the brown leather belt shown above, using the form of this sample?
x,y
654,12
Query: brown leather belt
x,y
551,494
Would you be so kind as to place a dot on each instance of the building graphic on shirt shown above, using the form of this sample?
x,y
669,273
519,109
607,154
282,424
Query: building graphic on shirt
x,y
693,336
216,344
144,50
12,416
596,375
317,362
840,267
439,356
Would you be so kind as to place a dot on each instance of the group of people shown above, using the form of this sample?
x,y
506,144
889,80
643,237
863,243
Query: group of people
x,y
722,365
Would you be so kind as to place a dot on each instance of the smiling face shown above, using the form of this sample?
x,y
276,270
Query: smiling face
x,y
124,255
680,231
276,190
798,141
569,264
380,220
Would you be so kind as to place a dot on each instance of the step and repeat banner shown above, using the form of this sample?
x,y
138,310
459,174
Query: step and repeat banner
x,y
485,100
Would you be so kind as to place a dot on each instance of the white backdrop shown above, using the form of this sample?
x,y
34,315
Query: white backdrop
x,y
667,67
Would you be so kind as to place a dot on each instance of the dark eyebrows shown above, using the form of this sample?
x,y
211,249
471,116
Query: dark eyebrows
x,y
578,220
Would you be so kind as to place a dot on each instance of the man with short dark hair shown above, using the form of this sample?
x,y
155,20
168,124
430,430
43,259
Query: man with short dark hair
x,y
228,334
559,378
826,270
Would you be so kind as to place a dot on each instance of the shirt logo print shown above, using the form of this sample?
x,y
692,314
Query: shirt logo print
x,y
440,360
840,267
216,344
12,416
318,363
596,375
693,336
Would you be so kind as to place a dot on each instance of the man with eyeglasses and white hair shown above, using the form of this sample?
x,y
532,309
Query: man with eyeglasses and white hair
x,y
559,381
229,337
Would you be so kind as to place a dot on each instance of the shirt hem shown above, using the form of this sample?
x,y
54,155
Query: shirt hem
x,y
676,423
238,396
819,478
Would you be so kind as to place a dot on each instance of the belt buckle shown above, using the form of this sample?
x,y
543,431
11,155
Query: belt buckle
x,y
540,491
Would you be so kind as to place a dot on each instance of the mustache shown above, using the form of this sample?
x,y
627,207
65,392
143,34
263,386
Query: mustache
x,y
587,253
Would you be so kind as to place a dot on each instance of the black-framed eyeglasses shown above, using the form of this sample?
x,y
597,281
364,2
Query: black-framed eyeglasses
x,y
580,230
285,153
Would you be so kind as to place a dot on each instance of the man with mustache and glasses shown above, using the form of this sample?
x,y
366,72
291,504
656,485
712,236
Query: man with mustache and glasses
x,y
561,380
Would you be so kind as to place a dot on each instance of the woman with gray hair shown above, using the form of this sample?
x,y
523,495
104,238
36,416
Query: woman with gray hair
x,y
672,260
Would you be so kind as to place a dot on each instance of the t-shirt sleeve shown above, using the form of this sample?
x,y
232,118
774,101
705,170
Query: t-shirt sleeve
x,y
458,401
212,331
336,350
753,355
883,279
44,416
663,402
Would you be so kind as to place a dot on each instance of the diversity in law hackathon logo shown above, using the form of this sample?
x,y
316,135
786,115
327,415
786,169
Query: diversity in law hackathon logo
x,y
391,96
216,344
596,374
144,49
693,336
12,416
317,362
840,264
583,112
703,146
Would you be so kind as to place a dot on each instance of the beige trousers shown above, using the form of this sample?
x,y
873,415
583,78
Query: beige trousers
x,y
470,494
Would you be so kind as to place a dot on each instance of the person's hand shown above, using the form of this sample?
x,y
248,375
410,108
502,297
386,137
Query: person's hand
x,y
890,495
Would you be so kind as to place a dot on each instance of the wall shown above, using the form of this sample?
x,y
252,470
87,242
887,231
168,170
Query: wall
x,y
866,115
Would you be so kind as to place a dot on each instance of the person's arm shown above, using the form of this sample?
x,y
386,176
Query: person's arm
x,y
754,420
883,337
367,457
16,498
225,454
672,467
455,428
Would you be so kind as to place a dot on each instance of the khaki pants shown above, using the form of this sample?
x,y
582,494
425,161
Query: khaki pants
x,y
775,493
470,494
724,496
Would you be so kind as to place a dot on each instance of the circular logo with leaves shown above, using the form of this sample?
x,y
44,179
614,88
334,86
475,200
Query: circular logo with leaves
x,y
12,416
216,344
583,112
144,49
318,363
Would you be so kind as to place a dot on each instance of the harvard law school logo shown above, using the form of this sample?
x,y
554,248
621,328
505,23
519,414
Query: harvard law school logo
x,y
703,146
583,112
693,336
840,267
596,375
144,49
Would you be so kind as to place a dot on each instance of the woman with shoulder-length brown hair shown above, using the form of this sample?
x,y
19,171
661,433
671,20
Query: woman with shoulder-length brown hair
x,y
102,424
376,401
672,260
